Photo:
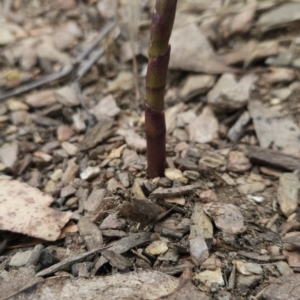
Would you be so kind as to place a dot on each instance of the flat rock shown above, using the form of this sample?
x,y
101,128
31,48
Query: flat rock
x,y
248,268
106,106
198,248
287,195
200,223
274,129
64,133
195,85
284,288
227,217
292,238
157,248
67,96
191,51
20,258
244,283
238,162
230,94
208,277
204,128
41,98
90,172
9,154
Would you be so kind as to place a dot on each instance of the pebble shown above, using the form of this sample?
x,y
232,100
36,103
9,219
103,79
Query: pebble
x,y
90,172
281,94
78,123
6,36
208,196
204,128
198,248
180,134
284,268
238,162
64,133
20,258
67,96
106,106
251,188
248,268
208,277
69,148
195,85
192,175
13,105
41,98
230,94
287,194
67,191
228,179
157,248
173,174
9,154
244,283
20,117
124,178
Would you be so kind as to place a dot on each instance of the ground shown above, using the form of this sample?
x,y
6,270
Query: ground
x,y
78,215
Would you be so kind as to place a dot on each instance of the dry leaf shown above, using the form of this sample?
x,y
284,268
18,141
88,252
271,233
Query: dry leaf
x,y
24,209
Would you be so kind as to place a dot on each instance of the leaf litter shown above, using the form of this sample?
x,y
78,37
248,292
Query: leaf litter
x,y
227,208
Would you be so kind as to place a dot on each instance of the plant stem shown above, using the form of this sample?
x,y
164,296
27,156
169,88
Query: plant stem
x,y
156,79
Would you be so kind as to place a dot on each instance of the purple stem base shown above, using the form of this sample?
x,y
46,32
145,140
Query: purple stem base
x,y
155,130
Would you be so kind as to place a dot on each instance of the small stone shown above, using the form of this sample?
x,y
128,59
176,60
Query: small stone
x,y
41,98
192,175
112,221
208,277
67,191
20,258
124,178
284,268
79,124
287,195
230,94
20,117
6,36
67,96
89,173
50,187
64,40
228,179
251,188
9,154
107,8
42,156
124,81
164,182
64,133
227,217
198,248
47,259
238,162
195,85
72,202
208,196
13,105
106,106
137,190
281,94
248,268
180,134
244,283
130,157
157,248
173,174
69,148
204,128
136,143
186,118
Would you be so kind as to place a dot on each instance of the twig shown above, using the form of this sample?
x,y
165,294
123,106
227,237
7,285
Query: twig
x,y
80,67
